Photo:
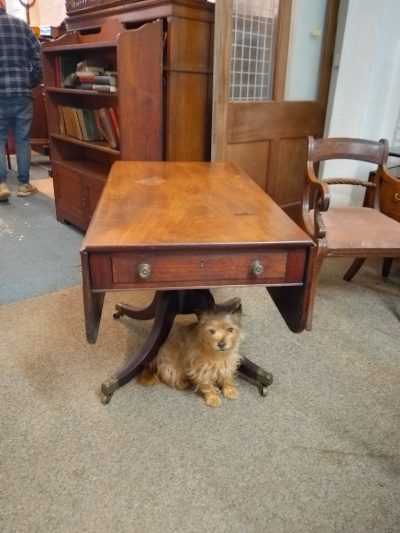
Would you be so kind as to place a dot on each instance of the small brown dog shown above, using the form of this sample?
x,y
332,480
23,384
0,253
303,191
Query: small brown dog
x,y
204,354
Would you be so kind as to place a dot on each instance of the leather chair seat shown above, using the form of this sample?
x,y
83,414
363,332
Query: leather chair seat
x,y
359,228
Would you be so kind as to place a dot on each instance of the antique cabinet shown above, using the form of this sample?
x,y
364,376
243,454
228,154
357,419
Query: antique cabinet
x,y
161,55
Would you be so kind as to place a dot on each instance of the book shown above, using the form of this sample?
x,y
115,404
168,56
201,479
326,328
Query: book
x,y
115,120
61,122
99,127
104,88
108,127
92,131
99,80
82,124
78,133
68,121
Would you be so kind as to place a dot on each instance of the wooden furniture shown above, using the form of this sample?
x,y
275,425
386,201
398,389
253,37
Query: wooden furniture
x,y
390,202
358,232
256,123
161,52
221,229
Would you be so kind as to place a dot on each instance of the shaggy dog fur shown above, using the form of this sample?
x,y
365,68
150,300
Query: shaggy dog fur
x,y
204,354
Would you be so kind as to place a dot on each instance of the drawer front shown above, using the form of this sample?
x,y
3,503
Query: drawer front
x,y
128,270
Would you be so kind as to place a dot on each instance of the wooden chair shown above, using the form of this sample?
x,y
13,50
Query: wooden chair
x,y
358,232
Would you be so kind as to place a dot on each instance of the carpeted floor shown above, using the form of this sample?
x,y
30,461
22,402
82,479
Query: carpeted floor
x,y
37,254
319,454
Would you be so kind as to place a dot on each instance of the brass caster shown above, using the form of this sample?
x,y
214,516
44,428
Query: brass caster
x,y
108,388
263,390
118,312
106,398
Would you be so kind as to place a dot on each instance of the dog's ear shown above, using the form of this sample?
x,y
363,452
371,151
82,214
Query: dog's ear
x,y
237,310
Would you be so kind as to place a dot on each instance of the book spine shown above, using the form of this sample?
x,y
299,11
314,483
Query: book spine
x,y
104,88
108,127
115,120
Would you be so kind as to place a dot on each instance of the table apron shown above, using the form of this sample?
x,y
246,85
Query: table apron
x,y
155,269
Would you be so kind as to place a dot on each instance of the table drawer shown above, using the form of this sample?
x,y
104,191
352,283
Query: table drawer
x,y
170,270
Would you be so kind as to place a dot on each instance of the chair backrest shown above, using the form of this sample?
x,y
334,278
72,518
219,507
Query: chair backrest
x,y
348,148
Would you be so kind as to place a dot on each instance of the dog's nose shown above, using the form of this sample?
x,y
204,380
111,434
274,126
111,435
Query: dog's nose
x,y
221,345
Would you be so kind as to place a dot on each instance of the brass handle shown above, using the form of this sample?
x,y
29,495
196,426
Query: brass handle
x,y
396,197
256,268
144,270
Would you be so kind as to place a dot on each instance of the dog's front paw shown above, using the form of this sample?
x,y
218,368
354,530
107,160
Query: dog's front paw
x,y
213,400
229,391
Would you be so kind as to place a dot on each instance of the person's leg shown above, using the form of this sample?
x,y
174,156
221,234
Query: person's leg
x,y
4,123
21,126
4,190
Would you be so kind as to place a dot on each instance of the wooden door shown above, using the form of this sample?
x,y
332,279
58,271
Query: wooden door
x,y
271,79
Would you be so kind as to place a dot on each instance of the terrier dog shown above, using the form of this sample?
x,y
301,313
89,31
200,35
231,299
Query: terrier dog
x,y
204,354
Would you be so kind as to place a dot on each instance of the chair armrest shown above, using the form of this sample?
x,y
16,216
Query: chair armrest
x,y
320,192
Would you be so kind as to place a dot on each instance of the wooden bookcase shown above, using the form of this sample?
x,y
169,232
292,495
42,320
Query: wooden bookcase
x,y
163,60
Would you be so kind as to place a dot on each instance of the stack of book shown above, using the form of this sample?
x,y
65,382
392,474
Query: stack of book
x,y
90,124
95,80
71,73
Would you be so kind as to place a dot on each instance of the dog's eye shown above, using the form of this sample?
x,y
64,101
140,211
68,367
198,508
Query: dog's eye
x,y
230,330
211,331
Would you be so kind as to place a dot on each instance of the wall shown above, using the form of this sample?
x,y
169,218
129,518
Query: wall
x,y
365,87
44,12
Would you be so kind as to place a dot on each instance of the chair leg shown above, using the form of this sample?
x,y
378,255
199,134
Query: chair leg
x,y
354,268
314,277
387,265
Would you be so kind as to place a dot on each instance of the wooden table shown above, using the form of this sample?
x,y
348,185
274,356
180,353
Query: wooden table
x,y
181,229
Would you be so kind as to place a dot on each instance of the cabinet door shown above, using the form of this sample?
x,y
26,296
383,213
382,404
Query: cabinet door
x,y
93,188
69,192
140,81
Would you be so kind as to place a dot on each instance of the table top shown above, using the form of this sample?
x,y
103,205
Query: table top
x,y
161,205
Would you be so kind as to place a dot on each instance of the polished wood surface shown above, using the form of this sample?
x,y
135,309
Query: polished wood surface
x,y
197,225
182,228
179,204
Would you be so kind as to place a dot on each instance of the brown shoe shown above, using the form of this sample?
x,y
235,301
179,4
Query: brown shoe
x,y
4,192
26,189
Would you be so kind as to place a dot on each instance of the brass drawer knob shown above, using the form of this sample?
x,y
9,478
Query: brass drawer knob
x,y
144,270
256,268
397,197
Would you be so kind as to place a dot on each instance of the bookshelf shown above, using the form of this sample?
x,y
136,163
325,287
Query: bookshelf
x,y
162,100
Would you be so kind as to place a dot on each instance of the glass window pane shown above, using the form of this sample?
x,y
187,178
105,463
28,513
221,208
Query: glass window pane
x,y
253,49
305,48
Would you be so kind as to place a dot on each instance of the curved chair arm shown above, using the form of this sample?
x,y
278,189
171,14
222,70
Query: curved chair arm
x,y
321,195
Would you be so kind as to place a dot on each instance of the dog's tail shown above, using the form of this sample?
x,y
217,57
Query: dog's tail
x,y
147,377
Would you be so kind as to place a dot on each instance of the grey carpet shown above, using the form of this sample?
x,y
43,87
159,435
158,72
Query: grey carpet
x,y
37,253
319,454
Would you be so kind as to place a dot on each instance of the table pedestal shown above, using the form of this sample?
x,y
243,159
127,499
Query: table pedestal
x,y
164,308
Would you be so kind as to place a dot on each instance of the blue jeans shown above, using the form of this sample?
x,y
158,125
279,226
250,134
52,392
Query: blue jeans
x,y
16,113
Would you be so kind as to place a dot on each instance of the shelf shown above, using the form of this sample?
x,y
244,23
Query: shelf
x,y
93,145
97,170
86,92
77,47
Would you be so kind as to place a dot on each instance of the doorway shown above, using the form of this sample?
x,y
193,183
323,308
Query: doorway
x,y
272,70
